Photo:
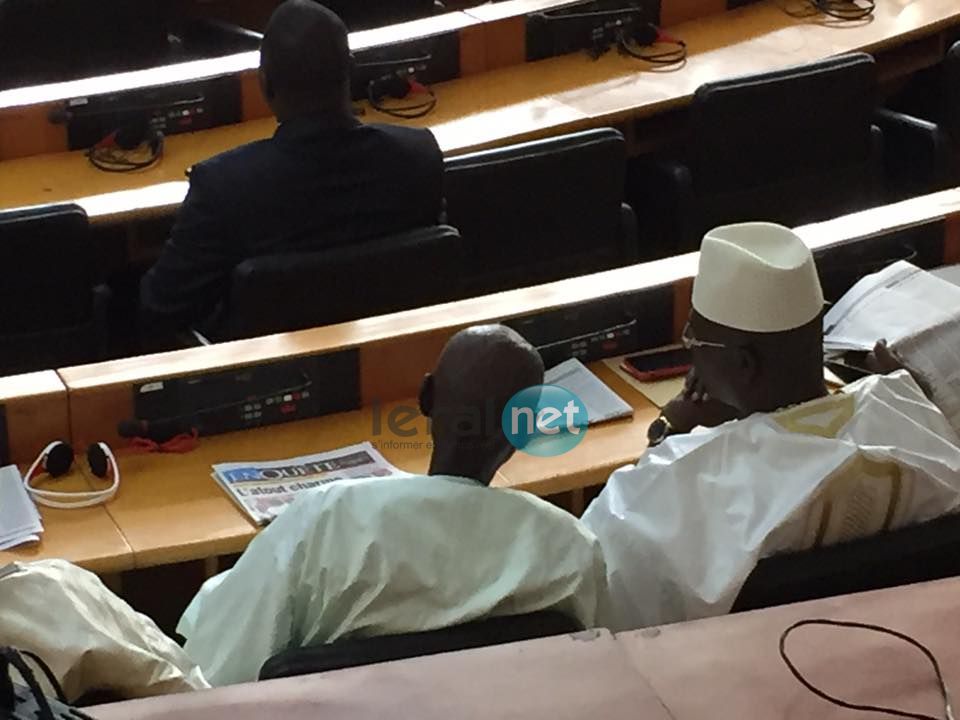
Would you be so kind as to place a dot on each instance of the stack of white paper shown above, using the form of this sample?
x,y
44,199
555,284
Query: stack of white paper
x,y
19,519
900,301
917,313
601,402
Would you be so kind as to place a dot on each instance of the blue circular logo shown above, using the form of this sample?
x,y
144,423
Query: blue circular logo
x,y
544,420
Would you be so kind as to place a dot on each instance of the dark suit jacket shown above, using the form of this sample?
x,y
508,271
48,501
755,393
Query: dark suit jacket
x,y
309,187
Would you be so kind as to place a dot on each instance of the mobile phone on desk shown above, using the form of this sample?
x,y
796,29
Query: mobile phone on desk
x,y
659,364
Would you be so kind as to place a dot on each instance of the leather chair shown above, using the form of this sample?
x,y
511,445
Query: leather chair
x,y
542,210
54,312
367,651
278,293
44,41
921,127
927,551
375,13
791,146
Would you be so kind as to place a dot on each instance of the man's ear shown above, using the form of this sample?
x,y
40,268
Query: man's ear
x,y
426,395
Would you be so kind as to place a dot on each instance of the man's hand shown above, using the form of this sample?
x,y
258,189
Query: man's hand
x,y
691,408
882,359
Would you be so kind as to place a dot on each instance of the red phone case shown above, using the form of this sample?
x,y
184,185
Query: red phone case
x,y
653,375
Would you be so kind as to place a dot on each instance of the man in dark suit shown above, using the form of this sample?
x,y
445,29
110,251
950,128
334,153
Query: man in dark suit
x,y
323,180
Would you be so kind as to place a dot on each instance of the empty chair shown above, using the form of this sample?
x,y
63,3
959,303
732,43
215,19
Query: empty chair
x,y
791,146
374,13
921,129
293,291
928,551
54,313
366,651
44,41
542,210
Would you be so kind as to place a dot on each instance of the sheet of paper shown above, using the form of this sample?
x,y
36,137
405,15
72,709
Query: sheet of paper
x,y
893,304
918,313
19,519
601,402
659,392
950,273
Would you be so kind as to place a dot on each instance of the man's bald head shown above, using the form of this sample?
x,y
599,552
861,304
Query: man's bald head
x,y
305,60
477,373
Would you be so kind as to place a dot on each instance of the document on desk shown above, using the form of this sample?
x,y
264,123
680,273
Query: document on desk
x,y
917,313
601,402
264,489
19,519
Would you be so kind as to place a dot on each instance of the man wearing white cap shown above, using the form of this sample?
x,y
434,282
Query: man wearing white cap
x,y
795,467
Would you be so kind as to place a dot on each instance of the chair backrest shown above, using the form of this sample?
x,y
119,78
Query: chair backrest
x,y
927,551
542,210
55,40
790,146
52,314
951,92
277,293
367,651
374,13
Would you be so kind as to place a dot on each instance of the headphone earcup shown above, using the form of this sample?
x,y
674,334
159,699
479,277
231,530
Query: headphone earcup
x,y
97,460
59,460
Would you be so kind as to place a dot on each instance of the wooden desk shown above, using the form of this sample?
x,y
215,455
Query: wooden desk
x,y
725,668
170,510
37,413
718,669
560,678
516,103
87,537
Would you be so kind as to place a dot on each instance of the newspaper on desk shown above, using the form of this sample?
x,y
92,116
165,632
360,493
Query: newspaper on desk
x,y
264,489
917,313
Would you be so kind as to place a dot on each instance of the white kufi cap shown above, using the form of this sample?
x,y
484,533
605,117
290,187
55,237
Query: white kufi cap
x,y
757,277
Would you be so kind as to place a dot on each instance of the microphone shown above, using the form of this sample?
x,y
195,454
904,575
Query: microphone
x,y
159,431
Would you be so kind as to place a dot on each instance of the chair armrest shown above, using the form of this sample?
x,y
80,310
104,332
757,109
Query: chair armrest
x,y
917,154
628,234
192,338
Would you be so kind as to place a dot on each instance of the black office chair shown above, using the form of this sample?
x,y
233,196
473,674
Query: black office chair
x,y
278,293
542,210
367,651
921,129
791,146
44,41
54,313
927,551
375,13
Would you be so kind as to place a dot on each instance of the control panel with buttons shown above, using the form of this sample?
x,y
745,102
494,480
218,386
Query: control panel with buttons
x,y
255,396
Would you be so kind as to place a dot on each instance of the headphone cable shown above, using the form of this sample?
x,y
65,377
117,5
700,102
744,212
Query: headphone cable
x,y
407,112
945,694
677,56
106,156
846,10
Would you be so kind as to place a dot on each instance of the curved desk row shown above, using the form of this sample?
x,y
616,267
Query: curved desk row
x,y
170,510
521,102
722,668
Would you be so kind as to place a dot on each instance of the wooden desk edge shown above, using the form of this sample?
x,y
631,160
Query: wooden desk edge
x,y
34,384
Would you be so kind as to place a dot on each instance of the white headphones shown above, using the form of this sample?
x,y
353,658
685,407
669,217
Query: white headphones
x,y
56,460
